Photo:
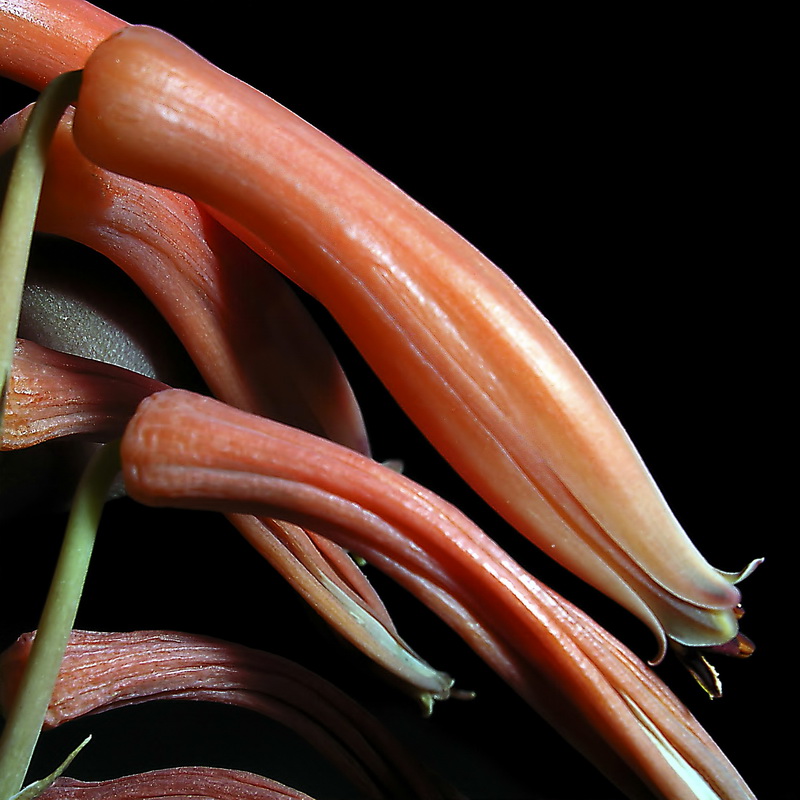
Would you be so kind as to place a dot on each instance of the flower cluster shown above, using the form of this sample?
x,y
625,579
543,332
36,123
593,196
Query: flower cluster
x,y
214,199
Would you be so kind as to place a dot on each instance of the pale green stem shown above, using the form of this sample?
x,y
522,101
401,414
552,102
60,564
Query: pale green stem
x,y
19,210
27,712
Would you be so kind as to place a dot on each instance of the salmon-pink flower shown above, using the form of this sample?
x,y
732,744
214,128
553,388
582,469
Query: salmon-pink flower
x,y
470,359
185,450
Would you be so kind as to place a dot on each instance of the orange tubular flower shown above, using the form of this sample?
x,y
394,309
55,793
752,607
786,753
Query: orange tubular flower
x,y
465,353
185,450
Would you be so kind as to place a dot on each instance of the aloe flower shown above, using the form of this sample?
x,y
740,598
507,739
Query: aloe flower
x,y
479,370
469,358
185,450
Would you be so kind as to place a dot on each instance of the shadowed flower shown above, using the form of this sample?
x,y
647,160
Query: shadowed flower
x,y
104,671
178,783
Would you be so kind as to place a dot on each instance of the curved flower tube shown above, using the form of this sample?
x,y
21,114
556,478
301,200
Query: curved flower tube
x,y
185,450
54,395
104,671
179,783
465,353
322,573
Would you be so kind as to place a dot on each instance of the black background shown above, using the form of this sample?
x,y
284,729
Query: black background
x,y
622,171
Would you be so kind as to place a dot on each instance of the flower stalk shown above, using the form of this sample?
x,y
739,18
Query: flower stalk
x,y
19,211
27,711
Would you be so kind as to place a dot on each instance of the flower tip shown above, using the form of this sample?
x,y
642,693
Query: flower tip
x,y
710,623
694,659
663,646
427,699
736,577
691,651
700,669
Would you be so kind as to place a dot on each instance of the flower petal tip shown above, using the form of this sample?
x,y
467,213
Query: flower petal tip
x,y
736,577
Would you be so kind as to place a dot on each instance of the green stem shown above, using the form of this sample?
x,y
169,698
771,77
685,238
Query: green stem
x,y
26,715
19,210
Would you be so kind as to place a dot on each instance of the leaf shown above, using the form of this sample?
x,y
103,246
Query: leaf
x,y
34,789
